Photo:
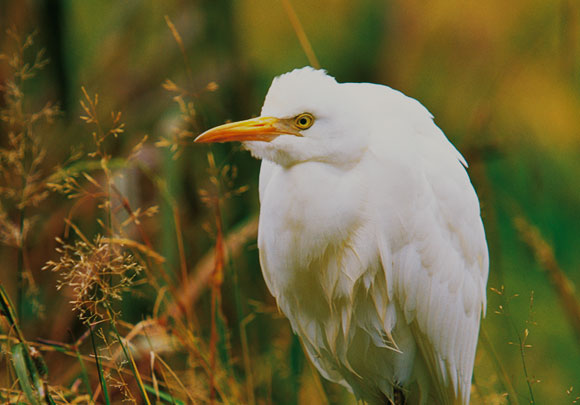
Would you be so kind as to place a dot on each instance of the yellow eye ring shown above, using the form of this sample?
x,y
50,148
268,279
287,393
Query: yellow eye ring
x,y
304,121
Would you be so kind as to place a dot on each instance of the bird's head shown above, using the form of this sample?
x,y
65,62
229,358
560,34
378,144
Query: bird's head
x,y
307,116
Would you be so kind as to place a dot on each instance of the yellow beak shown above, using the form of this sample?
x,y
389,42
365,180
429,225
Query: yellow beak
x,y
256,129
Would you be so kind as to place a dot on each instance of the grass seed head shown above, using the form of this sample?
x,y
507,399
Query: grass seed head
x,y
97,273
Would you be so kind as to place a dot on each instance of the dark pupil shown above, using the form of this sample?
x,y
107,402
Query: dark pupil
x,y
303,121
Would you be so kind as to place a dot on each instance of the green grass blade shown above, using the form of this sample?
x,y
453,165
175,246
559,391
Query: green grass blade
x,y
49,399
8,312
222,343
135,371
163,395
130,358
27,368
84,373
84,166
20,361
100,369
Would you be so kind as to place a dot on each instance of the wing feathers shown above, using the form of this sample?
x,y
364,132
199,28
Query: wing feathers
x,y
439,271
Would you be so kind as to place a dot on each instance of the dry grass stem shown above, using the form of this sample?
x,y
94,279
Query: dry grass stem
x,y
545,256
301,34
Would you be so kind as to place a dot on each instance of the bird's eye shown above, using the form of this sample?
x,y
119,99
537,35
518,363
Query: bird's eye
x,y
304,121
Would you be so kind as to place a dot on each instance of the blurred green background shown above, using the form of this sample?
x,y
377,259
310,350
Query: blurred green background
x,y
501,78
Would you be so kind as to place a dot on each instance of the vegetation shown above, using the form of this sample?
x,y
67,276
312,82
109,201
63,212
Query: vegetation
x,y
129,269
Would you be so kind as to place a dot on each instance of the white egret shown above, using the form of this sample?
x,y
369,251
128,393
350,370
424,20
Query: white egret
x,y
370,236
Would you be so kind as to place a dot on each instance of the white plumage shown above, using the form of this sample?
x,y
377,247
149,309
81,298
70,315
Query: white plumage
x,y
370,236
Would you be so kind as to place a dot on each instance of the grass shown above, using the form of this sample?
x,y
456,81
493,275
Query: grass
x,y
120,286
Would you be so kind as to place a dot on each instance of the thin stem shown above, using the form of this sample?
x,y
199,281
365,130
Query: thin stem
x,y
180,245
301,34
502,372
128,356
20,269
217,279
246,357
102,380
521,348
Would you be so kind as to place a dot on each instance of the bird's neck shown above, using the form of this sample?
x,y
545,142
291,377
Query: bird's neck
x,y
307,211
